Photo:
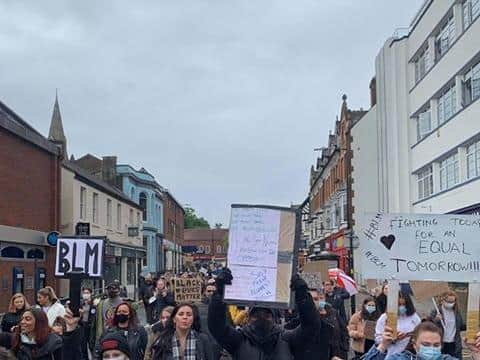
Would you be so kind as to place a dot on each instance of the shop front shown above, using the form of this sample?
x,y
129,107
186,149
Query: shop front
x,y
336,243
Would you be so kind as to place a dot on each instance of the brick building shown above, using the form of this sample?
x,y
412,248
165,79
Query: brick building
x,y
330,196
30,207
206,244
173,226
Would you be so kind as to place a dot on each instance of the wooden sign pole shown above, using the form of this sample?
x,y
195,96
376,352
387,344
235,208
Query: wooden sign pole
x,y
473,323
392,305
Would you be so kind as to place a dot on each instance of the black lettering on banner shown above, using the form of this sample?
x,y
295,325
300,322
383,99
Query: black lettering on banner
x,y
64,265
398,263
74,259
91,251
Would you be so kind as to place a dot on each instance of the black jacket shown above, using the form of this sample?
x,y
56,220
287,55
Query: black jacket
x,y
337,300
339,342
460,326
72,342
9,320
161,303
51,350
203,349
281,344
137,339
203,314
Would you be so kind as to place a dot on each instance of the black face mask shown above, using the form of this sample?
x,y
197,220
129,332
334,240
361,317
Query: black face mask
x,y
122,318
262,326
113,293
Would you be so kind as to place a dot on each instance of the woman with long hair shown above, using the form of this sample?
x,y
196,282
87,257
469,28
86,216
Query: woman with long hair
x,y
34,339
125,322
363,320
18,304
182,339
451,321
426,345
407,321
49,303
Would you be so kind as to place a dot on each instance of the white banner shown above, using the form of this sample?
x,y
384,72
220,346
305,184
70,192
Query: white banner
x,y
79,256
420,247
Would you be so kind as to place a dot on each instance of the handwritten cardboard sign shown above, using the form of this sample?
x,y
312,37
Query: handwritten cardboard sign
x,y
261,255
420,247
369,330
80,256
313,280
187,289
423,290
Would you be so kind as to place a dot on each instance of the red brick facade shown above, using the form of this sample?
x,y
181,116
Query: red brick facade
x,y
173,219
30,191
210,243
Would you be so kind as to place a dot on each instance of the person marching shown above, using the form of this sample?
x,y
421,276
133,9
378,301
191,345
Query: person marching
x,y
18,304
49,303
361,342
452,323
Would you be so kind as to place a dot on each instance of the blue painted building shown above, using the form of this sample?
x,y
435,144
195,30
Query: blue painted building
x,y
142,188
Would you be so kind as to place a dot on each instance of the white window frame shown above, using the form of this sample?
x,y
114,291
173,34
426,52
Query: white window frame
x,y
422,64
95,208
449,172
109,213
471,10
445,38
447,104
83,203
471,84
424,124
473,160
119,217
425,183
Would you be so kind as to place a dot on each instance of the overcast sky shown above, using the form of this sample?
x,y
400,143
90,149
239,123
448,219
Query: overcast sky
x,y
222,100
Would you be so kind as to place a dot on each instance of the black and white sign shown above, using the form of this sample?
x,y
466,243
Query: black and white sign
x,y
81,256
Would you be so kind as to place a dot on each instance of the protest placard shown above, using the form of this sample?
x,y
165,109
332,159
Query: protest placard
x,y
423,290
261,255
420,247
187,289
80,256
313,279
369,330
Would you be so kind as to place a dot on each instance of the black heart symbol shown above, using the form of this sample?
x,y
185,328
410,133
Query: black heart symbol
x,y
387,241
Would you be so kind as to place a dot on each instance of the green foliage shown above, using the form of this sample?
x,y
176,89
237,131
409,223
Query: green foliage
x,y
193,221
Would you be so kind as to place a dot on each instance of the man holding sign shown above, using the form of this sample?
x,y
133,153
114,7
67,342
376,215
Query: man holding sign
x,y
261,338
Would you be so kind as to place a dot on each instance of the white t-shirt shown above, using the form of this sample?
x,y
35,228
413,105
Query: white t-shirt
x,y
405,324
450,325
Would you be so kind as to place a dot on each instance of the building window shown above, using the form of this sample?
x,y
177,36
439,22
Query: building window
x,y
445,38
471,10
219,249
95,208
424,124
83,203
425,183
35,254
201,249
12,252
422,64
344,206
143,204
449,172
207,249
447,105
132,193
109,213
130,217
119,217
145,241
471,85
138,219
473,160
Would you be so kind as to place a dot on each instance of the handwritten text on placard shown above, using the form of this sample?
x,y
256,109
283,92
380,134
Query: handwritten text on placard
x,y
420,247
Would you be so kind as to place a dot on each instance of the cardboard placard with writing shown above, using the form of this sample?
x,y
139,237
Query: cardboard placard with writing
x,y
262,255
320,267
424,290
369,330
313,280
187,289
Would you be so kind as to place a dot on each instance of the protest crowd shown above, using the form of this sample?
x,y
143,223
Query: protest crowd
x,y
207,328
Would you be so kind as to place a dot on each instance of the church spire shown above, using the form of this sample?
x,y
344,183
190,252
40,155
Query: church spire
x,y
56,133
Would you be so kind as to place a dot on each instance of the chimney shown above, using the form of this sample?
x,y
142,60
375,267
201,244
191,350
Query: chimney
x,y
373,92
109,170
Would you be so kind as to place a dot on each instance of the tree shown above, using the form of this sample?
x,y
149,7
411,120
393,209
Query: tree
x,y
193,221
218,225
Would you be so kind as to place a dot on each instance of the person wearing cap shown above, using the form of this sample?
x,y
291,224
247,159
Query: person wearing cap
x,y
114,346
261,338
106,309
